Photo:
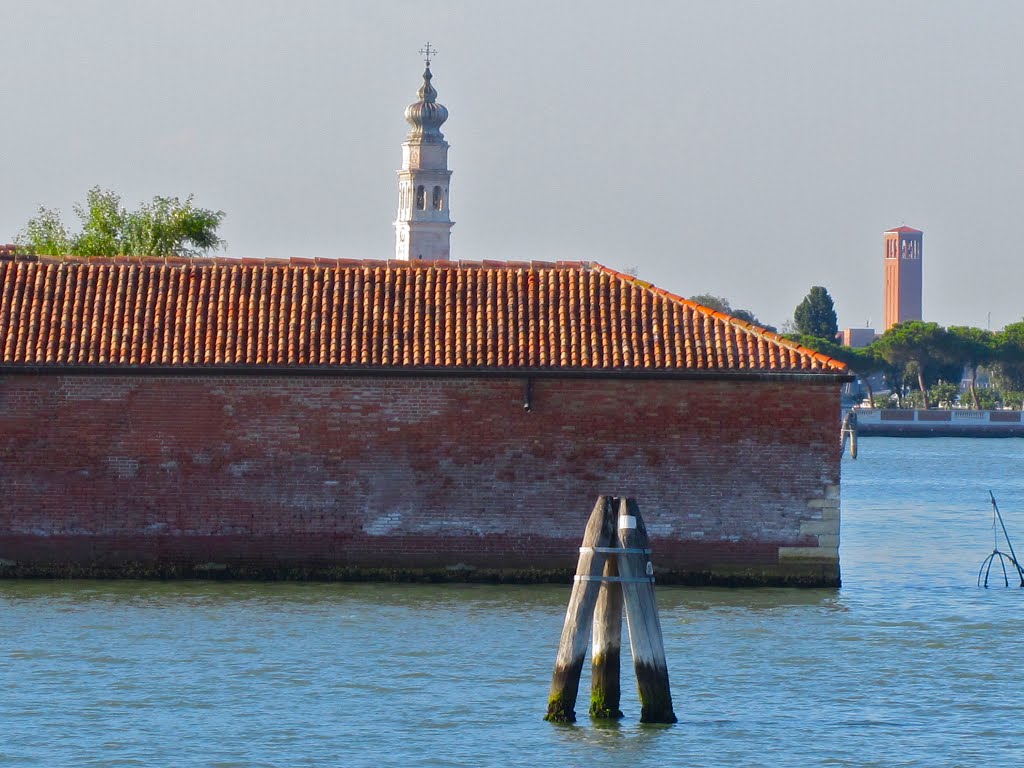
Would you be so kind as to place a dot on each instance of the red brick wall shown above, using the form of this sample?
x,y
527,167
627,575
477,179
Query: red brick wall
x,y
377,476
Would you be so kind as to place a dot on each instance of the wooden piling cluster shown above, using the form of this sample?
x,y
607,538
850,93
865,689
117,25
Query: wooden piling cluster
x,y
614,571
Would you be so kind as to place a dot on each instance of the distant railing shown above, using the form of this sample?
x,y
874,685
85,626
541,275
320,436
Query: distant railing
x,y
936,417
974,415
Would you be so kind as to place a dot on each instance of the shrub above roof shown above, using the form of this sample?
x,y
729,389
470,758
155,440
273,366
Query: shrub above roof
x,y
158,313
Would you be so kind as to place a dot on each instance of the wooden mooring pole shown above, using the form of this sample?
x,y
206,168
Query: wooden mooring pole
x,y
848,429
612,572
565,682
645,640
606,651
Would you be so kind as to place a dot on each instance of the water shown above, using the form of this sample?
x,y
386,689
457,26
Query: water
x,y
908,664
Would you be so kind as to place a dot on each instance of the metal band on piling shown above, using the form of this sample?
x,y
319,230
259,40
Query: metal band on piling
x,y
619,579
615,550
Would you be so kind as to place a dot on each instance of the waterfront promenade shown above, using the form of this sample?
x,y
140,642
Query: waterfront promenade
x,y
938,422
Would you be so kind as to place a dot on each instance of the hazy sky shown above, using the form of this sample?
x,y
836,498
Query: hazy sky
x,y
746,149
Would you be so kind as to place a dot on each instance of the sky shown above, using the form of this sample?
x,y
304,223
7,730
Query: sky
x,y
746,149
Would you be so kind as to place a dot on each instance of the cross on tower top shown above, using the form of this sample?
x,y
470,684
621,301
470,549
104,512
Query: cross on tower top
x,y
426,52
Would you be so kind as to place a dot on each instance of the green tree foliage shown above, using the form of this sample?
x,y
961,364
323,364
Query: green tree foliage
x,y
971,348
717,303
1009,356
166,226
865,363
46,234
862,361
829,347
1013,399
895,379
989,399
944,394
816,315
914,347
721,304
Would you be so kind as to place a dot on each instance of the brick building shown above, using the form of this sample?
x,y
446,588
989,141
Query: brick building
x,y
334,419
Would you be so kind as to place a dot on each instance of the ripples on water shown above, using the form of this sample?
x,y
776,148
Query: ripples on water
x,y
908,664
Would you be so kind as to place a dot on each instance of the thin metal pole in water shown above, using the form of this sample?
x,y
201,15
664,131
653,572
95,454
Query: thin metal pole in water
x,y
1016,562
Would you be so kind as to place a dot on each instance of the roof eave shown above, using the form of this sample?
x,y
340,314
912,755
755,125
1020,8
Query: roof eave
x,y
821,377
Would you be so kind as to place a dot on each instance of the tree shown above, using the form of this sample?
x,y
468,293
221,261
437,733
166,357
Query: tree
x,y
717,303
1013,399
862,361
913,346
1009,356
944,394
748,316
989,399
166,226
45,234
721,304
972,348
865,362
816,315
103,225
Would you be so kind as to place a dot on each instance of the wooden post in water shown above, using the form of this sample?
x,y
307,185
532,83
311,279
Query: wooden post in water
x,y
642,616
853,434
565,682
605,654
848,429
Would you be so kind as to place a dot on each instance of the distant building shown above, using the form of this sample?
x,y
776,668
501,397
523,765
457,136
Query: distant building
x,y
902,275
423,226
856,337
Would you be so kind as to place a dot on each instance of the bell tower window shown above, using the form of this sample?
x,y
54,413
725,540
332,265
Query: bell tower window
x,y
420,199
438,199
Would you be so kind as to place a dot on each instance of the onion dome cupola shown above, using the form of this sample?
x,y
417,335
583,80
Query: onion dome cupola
x,y
423,226
426,116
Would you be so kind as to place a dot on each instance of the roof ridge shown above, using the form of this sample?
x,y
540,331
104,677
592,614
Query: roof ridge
x,y
304,261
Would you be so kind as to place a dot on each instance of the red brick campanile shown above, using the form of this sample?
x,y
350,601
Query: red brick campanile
x,y
902,275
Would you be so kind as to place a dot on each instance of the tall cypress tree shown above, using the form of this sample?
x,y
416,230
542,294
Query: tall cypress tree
x,y
816,315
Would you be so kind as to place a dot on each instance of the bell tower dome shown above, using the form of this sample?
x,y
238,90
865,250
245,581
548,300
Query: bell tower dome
x,y
423,226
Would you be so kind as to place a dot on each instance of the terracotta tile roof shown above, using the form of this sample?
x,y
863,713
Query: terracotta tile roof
x,y
904,230
462,315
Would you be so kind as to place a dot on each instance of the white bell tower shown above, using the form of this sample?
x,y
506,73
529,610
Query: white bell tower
x,y
423,227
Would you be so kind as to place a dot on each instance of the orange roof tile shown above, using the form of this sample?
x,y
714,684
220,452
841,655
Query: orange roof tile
x,y
105,313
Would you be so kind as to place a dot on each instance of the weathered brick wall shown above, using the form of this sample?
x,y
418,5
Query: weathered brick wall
x,y
342,476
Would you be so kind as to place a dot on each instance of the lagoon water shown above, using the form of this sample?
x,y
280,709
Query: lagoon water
x,y
908,664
